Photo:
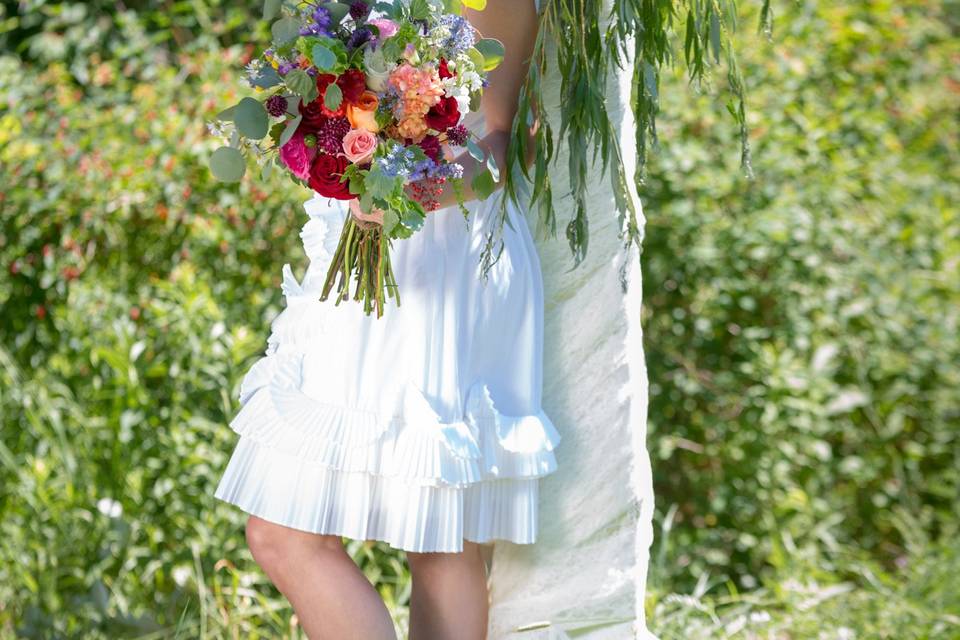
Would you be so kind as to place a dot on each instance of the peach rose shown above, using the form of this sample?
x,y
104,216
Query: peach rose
x,y
359,145
362,115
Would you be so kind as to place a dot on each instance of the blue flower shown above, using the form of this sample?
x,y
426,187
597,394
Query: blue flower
x,y
398,161
461,34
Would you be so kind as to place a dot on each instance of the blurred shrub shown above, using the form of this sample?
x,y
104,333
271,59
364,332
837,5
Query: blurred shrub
x,y
138,32
803,330
136,291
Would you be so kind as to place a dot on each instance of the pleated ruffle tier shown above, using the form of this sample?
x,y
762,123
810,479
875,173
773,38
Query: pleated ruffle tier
x,y
394,472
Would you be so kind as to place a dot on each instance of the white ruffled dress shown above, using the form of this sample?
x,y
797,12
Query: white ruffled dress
x,y
420,428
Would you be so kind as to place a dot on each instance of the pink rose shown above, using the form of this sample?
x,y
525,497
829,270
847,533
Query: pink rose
x,y
297,155
387,28
359,145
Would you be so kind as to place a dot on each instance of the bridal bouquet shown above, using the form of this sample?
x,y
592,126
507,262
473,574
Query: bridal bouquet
x,y
363,103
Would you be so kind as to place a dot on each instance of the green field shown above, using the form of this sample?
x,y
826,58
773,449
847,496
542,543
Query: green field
x,y
802,330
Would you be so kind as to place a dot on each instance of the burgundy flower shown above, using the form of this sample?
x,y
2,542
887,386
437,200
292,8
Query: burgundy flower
x,y
276,105
313,115
431,147
458,135
353,83
444,114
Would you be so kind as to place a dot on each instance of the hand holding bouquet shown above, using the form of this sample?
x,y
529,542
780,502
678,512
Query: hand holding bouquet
x,y
366,101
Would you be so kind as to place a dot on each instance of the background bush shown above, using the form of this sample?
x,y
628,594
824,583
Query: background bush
x,y
801,330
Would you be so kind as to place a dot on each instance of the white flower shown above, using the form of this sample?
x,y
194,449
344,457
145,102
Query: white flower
x,y
377,69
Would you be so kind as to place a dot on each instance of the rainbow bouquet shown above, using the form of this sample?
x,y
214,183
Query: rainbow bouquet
x,y
364,102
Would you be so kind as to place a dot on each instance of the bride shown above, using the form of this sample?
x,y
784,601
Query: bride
x,y
431,428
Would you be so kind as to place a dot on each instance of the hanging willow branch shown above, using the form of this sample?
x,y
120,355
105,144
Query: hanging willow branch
x,y
641,33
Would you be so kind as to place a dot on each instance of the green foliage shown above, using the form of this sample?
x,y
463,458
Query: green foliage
x,y
137,289
802,329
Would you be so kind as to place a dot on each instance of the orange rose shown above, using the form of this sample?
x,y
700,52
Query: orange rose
x,y
362,115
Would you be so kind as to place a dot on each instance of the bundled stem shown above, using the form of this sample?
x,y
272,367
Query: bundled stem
x,y
364,252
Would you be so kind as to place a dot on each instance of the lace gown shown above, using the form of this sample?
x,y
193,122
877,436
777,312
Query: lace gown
x,y
421,428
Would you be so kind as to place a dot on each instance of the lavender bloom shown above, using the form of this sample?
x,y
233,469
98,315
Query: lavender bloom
x,y
461,34
430,169
319,23
358,38
285,67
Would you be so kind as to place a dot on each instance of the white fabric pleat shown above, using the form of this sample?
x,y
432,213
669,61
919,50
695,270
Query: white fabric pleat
x,y
293,491
421,428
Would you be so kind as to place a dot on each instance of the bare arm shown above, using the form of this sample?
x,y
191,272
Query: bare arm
x,y
515,25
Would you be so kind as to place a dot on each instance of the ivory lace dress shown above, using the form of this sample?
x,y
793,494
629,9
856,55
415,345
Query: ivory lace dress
x,y
421,428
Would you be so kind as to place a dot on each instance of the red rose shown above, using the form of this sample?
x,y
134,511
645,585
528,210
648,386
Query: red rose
x,y
444,114
313,115
325,173
353,83
443,70
431,147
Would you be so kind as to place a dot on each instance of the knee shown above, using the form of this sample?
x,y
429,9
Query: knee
x,y
265,541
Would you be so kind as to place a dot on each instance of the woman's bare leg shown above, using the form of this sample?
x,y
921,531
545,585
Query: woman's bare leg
x,y
449,600
331,596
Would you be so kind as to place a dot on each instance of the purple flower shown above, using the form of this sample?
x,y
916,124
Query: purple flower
x,y
359,37
359,10
424,169
285,67
276,106
330,134
458,135
319,24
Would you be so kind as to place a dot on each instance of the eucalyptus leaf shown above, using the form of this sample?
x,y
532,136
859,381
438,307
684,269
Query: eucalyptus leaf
x,y
494,169
338,11
293,104
266,77
492,51
290,130
271,8
251,118
475,151
227,114
284,30
227,164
